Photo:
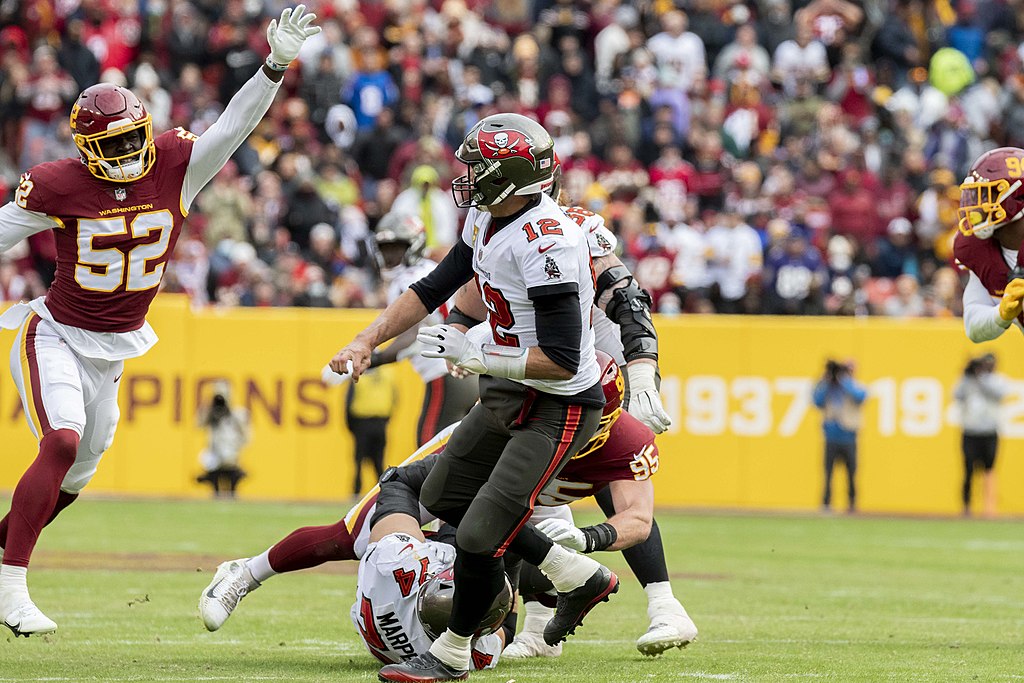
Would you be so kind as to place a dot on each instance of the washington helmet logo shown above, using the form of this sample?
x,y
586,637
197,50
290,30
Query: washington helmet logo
x,y
505,144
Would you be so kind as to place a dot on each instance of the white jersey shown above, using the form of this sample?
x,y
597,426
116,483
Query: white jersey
x,y
541,251
398,280
384,613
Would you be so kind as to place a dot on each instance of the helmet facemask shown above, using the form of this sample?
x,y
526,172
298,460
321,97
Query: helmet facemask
x,y
981,205
483,186
106,156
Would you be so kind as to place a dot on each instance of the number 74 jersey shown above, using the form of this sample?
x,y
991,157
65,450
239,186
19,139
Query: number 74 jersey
x,y
113,239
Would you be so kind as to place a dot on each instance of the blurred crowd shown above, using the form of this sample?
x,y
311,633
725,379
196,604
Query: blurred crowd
x,y
753,156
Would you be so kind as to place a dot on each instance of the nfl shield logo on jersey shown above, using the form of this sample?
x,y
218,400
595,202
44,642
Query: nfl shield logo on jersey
x,y
120,194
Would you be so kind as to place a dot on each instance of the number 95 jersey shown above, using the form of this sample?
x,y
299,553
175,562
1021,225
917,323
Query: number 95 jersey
x,y
113,239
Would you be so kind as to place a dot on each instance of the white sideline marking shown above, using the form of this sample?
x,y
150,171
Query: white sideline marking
x,y
714,677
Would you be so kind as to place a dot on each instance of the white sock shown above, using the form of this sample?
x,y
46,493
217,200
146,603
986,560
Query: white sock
x,y
537,617
660,600
567,570
658,591
454,651
260,568
12,579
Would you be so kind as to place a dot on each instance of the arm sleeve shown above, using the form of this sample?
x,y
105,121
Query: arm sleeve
x,y
982,321
819,394
214,147
454,271
559,328
856,391
17,223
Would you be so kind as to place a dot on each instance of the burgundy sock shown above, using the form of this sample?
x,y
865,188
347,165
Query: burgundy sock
x,y
35,498
311,546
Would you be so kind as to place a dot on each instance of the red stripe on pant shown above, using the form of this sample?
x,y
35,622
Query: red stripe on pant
x,y
429,429
33,371
572,425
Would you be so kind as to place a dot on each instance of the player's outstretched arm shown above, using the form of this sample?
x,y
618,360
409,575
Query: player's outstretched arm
x,y
214,147
983,320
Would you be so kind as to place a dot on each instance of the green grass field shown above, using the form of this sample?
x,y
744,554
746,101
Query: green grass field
x,y
776,598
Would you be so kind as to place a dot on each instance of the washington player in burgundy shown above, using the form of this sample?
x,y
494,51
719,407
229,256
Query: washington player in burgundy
x,y
991,223
621,458
116,213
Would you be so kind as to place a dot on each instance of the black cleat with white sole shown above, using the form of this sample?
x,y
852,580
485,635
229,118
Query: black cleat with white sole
x,y
574,605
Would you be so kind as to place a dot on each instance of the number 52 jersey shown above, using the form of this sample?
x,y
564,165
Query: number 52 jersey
x,y
113,239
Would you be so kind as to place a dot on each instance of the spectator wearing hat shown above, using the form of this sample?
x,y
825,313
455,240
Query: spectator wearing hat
x,y
895,252
978,395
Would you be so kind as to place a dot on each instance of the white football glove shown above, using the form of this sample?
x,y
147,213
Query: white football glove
x,y
444,341
644,400
287,34
563,533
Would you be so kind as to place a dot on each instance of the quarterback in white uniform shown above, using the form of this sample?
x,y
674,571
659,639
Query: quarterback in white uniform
x,y
541,398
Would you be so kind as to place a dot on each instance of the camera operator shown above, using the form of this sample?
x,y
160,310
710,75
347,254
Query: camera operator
x,y
978,395
228,434
840,398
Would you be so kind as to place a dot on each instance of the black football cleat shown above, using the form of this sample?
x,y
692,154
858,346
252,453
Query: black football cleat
x,y
424,668
574,605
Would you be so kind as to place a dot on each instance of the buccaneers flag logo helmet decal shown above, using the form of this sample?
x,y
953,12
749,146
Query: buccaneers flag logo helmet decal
x,y
505,144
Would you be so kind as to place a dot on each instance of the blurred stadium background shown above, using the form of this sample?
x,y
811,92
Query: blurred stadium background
x,y
782,176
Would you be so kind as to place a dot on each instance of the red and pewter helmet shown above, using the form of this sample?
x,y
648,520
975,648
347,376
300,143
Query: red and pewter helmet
x,y
507,154
614,387
103,113
992,194
434,605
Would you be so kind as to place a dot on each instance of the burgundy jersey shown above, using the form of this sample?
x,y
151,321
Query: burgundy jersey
x,y
630,454
113,239
985,259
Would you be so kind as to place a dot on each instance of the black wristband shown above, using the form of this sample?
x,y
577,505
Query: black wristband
x,y
599,536
459,317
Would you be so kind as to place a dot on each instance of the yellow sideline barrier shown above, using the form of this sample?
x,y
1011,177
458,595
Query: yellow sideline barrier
x,y
745,433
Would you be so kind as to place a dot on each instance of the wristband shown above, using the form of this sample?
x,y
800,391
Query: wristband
x,y
274,66
504,361
599,536
458,317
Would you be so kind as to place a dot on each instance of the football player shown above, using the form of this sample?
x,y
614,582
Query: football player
x,y
116,213
404,591
633,341
988,244
399,242
540,391
620,460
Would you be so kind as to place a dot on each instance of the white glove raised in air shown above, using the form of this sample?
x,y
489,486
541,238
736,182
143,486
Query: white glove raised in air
x,y
444,341
644,400
563,533
287,34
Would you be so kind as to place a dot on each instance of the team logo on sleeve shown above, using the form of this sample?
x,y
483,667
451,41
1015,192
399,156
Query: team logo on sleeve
x,y
551,268
505,144
603,242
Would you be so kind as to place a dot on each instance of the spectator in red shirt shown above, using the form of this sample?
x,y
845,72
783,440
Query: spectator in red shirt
x,y
853,209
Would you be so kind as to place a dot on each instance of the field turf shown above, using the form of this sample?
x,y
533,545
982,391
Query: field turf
x,y
777,598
